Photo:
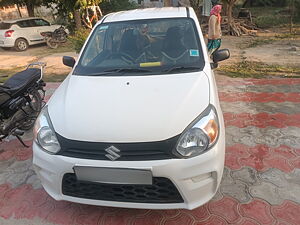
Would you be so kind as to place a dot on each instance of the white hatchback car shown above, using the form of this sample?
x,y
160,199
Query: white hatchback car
x,y
21,33
137,123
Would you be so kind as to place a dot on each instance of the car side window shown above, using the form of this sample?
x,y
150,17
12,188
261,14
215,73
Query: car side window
x,y
24,24
31,23
41,22
98,45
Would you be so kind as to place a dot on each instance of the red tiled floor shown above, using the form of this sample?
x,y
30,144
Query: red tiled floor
x,y
288,212
13,149
257,210
262,157
25,202
225,81
226,208
259,97
262,120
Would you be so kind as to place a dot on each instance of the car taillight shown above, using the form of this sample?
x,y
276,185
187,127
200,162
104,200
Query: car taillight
x,y
8,33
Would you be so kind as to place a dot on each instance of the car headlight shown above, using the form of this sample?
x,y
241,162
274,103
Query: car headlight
x,y
44,134
200,135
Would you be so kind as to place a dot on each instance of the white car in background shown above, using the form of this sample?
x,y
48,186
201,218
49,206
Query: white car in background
x,y
21,33
137,123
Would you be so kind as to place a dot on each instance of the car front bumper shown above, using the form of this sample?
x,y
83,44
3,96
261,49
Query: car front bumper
x,y
197,179
7,42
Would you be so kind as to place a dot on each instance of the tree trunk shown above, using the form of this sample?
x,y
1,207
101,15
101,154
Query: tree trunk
x,y
292,6
19,11
30,9
167,3
77,19
229,12
224,8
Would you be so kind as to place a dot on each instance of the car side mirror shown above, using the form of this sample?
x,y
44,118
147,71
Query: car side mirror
x,y
68,61
214,65
221,55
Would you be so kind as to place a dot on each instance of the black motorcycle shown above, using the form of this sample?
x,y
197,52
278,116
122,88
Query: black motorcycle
x,y
21,100
53,39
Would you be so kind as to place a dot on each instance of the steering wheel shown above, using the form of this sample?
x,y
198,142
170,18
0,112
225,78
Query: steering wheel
x,y
121,55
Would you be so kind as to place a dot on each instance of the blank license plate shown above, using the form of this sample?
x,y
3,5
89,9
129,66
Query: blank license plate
x,y
113,175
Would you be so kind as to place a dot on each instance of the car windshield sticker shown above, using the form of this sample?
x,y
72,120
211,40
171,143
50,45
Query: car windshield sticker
x,y
104,27
194,52
150,64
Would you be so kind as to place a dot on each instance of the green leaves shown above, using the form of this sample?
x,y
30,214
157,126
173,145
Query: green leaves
x,y
78,39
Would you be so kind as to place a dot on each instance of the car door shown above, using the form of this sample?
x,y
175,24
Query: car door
x,y
27,30
41,25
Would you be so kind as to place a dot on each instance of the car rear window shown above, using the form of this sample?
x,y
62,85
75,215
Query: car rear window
x,y
5,26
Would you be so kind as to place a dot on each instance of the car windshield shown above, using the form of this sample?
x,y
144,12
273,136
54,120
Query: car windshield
x,y
142,47
5,26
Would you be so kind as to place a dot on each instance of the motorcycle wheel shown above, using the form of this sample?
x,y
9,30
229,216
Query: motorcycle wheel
x,y
33,109
51,43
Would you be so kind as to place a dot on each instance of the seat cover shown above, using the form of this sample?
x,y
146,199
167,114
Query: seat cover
x,y
20,81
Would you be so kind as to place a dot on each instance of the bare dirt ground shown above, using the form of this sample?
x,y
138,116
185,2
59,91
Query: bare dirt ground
x,y
281,52
12,59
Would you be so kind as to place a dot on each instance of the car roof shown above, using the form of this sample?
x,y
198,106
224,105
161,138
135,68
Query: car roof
x,y
148,13
20,19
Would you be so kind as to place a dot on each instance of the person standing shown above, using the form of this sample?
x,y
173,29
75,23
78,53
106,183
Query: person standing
x,y
214,29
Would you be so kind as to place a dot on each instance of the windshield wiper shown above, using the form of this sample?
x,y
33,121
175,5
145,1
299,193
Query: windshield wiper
x,y
128,70
118,71
181,68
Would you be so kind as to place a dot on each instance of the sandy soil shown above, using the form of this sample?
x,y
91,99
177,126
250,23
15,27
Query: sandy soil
x,y
10,59
283,52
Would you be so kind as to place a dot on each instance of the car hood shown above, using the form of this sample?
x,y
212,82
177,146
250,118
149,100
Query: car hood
x,y
129,108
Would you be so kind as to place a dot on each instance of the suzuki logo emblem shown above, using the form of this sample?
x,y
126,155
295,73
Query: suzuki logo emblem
x,y
112,153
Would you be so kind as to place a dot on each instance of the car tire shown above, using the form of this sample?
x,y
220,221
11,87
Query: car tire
x,y
21,45
51,43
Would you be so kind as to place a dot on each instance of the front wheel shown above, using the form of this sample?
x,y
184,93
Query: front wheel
x,y
21,45
32,109
52,43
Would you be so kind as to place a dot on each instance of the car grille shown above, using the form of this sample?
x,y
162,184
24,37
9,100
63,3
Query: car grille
x,y
128,151
161,191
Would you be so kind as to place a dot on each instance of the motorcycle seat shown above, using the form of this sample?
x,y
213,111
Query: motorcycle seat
x,y
21,81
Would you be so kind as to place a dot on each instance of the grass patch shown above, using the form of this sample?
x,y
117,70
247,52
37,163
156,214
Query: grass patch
x,y
6,73
268,21
294,35
250,69
259,41
256,42
267,17
262,11
65,47
54,77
